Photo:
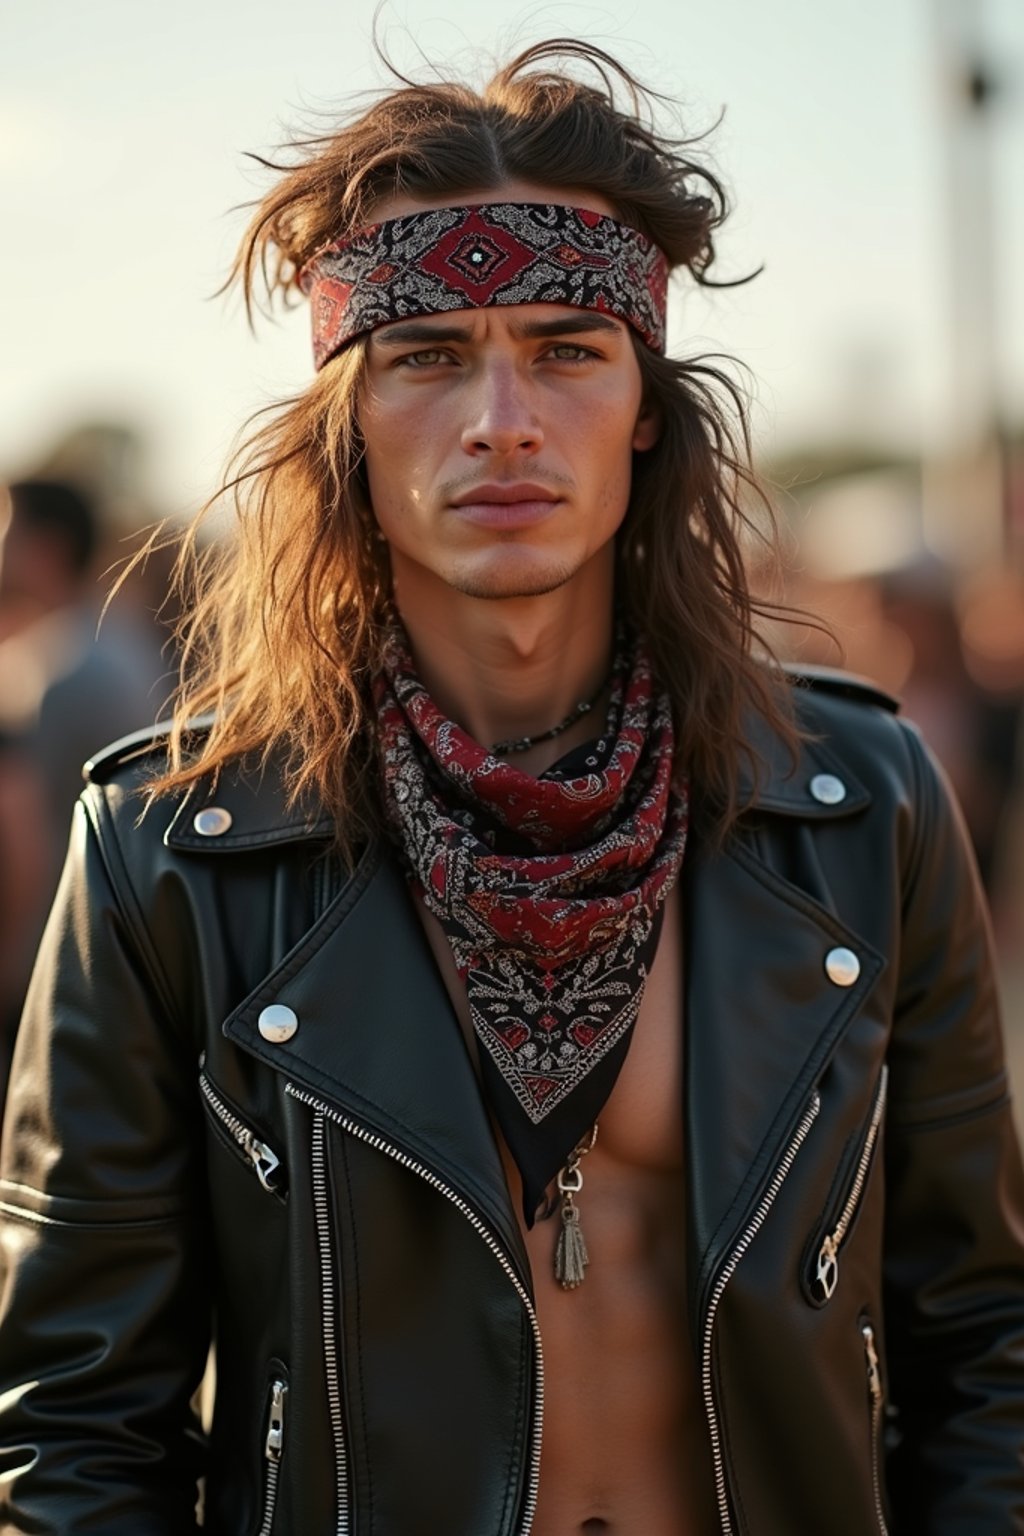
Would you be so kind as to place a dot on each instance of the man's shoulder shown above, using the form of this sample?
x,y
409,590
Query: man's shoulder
x,y
834,683
241,804
131,822
850,751
139,755
854,714
860,728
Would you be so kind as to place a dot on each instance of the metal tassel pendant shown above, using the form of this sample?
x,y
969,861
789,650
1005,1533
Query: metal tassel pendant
x,y
571,1256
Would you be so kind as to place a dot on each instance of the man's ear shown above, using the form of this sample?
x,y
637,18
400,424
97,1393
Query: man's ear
x,y
648,427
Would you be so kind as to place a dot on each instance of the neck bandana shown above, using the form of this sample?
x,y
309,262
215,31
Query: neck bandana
x,y
549,892
440,259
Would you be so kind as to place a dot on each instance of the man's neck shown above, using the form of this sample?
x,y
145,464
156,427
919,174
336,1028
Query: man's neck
x,y
515,667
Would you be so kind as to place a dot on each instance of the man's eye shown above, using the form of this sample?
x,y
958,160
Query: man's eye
x,y
428,358
566,352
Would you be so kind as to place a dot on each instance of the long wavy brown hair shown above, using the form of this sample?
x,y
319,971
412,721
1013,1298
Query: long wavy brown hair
x,y
284,618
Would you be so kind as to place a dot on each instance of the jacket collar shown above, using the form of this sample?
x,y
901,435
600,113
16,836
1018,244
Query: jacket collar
x,y
255,811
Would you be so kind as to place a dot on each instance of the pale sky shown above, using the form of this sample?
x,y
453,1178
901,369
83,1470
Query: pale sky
x,y
123,126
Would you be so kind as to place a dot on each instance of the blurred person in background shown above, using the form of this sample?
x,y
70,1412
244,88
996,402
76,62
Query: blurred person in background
x,y
25,884
954,656
68,685
990,610
494,887
972,728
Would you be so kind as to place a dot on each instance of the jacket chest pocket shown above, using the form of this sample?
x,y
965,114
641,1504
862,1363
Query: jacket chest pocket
x,y
824,1254
241,1138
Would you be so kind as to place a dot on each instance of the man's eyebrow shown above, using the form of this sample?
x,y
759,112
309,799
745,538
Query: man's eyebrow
x,y
564,325
415,331
429,333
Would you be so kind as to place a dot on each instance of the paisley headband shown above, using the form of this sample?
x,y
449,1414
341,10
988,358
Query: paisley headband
x,y
497,253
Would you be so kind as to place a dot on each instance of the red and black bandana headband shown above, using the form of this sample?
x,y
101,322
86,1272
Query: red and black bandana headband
x,y
441,259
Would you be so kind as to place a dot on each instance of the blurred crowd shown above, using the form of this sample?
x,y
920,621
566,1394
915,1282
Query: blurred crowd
x,y
72,678
949,643
946,640
939,646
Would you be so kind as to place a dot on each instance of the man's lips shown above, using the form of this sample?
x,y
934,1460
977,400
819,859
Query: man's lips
x,y
523,490
506,506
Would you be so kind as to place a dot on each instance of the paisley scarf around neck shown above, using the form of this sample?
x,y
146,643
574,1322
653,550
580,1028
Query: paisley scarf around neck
x,y
549,891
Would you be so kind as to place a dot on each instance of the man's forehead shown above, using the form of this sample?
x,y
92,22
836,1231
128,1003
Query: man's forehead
x,y
520,321
515,190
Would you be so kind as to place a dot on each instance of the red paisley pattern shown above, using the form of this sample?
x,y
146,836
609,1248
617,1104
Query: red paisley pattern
x,y
548,889
440,259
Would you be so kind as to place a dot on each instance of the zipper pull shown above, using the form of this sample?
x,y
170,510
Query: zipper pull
x,y
275,1423
867,1333
828,1267
571,1256
264,1161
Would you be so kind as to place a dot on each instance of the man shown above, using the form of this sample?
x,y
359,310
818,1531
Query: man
x,y
64,688
24,888
65,679
560,1056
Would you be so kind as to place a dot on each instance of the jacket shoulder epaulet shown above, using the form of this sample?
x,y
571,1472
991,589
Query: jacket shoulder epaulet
x,y
153,738
845,685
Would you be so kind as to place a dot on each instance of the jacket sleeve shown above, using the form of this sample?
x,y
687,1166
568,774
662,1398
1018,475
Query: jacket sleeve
x,y
954,1265
104,1307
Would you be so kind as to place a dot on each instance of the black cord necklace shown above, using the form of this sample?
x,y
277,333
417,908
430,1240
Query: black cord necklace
x,y
524,743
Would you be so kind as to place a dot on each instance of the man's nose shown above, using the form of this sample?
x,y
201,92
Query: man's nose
x,y
501,416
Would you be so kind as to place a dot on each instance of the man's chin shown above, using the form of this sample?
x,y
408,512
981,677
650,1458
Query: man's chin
x,y
507,585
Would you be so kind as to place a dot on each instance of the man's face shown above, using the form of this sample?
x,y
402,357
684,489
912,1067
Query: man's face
x,y
499,441
35,571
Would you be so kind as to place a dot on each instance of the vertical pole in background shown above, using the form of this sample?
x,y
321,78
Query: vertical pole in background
x,y
966,475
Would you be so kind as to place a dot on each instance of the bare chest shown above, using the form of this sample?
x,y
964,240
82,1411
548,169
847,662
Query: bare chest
x,y
623,1450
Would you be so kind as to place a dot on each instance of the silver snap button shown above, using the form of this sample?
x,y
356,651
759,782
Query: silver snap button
x,y
212,821
277,1023
842,967
827,789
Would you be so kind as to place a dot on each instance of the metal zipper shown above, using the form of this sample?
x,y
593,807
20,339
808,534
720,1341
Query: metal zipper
x,y
827,1275
273,1447
725,1275
372,1139
867,1333
323,1234
263,1160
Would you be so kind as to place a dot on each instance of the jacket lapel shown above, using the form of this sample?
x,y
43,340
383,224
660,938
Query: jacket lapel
x,y
761,1020
377,1038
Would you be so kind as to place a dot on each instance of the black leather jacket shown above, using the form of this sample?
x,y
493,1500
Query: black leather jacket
x,y
333,1199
